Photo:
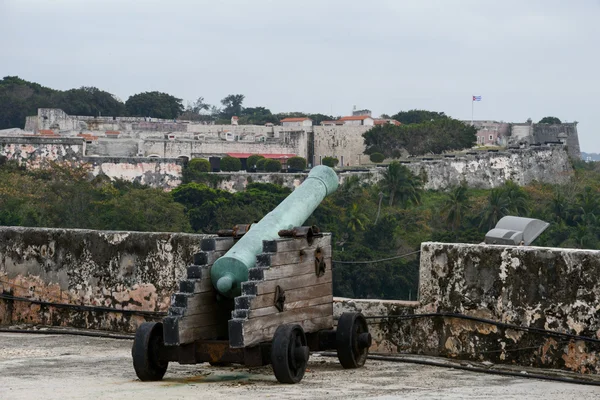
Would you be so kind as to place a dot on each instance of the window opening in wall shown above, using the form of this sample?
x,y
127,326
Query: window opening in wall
x,y
342,161
491,137
320,157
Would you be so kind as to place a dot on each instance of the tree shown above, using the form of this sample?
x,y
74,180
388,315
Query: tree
x,y
199,110
401,184
330,161
272,165
376,157
230,164
252,160
356,219
434,136
549,120
90,101
456,206
418,116
257,116
233,105
154,105
195,169
496,208
517,200
260,164
296,163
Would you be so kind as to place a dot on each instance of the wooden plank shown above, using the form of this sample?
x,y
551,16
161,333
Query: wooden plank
x,y
258,288
289,257
282,271
287,306
201,310
217,244
251,337
189,335
286,317
195,286
207,258
185,300
294,244
292,295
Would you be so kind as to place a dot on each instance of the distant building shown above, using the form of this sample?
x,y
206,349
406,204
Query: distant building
x,y
386,121
491,133
358,120
332,123
357,113
302,121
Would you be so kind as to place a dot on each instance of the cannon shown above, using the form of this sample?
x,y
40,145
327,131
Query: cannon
x,y
258,294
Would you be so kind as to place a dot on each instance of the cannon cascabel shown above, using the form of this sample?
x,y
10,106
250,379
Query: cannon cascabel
x,y
230,270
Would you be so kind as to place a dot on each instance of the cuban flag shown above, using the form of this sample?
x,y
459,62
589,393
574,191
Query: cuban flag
x,y
476,98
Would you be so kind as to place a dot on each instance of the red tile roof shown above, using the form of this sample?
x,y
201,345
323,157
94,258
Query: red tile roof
x,y
355,118
47,132
386,121
112,132
295,119
275,156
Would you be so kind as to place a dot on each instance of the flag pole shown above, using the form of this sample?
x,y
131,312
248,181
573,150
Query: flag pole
x,y
472,108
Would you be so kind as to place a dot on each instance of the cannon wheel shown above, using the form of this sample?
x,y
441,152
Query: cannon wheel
x,y
289,353
146,345
352,340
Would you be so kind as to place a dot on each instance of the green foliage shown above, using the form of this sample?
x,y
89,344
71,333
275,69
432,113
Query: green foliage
x,y
260,164
257,116
456,206
434,136
252,161
272,166
230,164
63,196
196,169
20,98
549,120
233,105
330,161
154,105
297,163
400,184
418,116
377,157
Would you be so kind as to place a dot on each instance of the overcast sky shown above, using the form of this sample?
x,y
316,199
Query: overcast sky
x,y
526,58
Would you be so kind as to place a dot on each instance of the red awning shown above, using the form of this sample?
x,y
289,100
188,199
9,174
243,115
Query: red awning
x,y
275,156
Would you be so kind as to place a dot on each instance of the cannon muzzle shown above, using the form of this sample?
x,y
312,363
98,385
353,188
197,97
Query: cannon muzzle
x,y
230,270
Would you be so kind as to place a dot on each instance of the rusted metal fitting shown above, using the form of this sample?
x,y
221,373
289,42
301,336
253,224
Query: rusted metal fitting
x,y
320,265
237,232
308,232
279,298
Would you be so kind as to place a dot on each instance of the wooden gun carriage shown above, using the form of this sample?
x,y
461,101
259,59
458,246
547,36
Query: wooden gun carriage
x,y
285,310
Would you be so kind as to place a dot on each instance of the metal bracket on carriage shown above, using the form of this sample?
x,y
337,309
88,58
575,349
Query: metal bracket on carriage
x,y
320,265
279,298
308,232
237,232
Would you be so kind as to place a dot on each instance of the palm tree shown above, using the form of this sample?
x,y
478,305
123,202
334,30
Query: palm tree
x,y
496,208
517,198
400,183
456,206
559,207
356,219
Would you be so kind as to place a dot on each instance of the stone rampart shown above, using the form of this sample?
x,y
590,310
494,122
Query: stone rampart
x,y
37,151
164,173
133,271
462,286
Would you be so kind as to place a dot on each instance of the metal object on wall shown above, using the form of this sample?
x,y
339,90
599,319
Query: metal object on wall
x,y
229,271
516,231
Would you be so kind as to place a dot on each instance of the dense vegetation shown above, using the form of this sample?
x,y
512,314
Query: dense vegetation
x,y
368,222
20,98
433,136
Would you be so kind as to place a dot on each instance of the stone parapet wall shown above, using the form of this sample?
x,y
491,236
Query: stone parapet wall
x,y
133,271
542,288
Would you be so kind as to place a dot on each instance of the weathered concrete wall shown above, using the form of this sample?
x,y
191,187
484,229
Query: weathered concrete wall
x,y
546,288
483,170
124,270
36,151
161,173
490,170
550,133
342,142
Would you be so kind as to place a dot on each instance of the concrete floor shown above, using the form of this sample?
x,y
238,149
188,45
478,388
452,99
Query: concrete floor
x,y
75,367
